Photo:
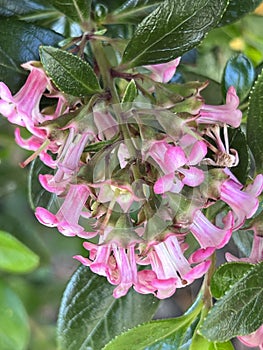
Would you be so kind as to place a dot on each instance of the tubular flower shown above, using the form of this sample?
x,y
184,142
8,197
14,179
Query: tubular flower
x,y
141,185
67,217
243,201
113,261
224,114
23,108
169,269
209,236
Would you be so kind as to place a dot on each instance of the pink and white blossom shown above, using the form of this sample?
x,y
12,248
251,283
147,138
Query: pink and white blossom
x,y
223,114
67,218
209,236
179,169
243,201
171,269
163,72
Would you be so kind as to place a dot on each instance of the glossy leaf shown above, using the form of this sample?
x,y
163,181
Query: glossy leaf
x,y
255,123
240,73
15,256
239,312
20,7
38,196
19,43
156,334
237,141
226,276
237,9
89,316
133,11
14,326
77,10
172,29
68,72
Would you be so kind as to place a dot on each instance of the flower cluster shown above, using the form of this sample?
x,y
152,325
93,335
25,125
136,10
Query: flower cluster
x,y
140,196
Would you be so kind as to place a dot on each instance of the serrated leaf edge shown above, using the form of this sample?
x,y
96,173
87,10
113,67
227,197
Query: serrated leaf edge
x,y
228,291
75,57
243,275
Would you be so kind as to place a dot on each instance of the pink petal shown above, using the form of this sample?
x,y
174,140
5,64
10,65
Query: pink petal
x,y
45,217
174,158
197,153
163,184
193,176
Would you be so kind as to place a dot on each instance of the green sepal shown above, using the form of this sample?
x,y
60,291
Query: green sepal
x,y
130,93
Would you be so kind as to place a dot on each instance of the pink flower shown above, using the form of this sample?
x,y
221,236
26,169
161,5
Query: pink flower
x,y
23,108
171,269
227,113
244,202
177,166
106,124
163,72
67,217
253,339
110,191
118,264
209,236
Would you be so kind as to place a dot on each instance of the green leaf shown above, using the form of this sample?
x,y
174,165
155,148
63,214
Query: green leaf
x,y
68,72
172,29
14,326
226,276
237,141
239,72
20,7
130,93
237,9
15,256
89,316
240,311
133,11
153,335
38,196
255,123
77,10
19,43
201,343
